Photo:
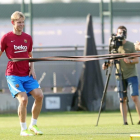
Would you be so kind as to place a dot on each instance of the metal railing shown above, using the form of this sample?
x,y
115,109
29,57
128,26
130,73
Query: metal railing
x,y
63,75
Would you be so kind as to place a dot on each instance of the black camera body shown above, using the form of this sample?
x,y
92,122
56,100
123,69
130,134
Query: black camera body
x,y
116,41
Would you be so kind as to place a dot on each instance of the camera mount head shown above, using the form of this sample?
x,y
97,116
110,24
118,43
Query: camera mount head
x,y
116,41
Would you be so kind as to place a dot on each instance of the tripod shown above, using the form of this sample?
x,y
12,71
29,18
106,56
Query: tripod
x,y
120,75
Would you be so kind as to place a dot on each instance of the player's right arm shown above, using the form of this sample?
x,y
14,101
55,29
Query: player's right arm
x,y
1,53
2,44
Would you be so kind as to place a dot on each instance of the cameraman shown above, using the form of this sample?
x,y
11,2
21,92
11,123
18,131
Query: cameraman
x,y
128,69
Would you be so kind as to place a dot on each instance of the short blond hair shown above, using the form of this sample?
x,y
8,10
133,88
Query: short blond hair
x,y
17,15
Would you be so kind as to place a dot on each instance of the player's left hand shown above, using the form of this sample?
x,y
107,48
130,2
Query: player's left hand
x,y
126,60
32,72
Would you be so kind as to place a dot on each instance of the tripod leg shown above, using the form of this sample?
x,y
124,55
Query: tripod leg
x,y
129,111
121,87
124,87
104,93
122,110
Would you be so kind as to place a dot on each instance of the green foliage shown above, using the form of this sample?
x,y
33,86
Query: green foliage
x,y
72,126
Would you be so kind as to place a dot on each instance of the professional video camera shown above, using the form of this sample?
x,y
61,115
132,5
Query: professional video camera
x,y
116,41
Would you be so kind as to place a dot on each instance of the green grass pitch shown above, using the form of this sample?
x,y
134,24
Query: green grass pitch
x,y
72,126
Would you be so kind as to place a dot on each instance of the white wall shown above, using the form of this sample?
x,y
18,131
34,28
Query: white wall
x,y
9,104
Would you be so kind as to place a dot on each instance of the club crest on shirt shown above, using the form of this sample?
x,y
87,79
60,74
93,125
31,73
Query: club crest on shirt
x,y
25,40
17,85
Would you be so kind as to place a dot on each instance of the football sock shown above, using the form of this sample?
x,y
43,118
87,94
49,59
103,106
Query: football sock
x,y
23,126
33,122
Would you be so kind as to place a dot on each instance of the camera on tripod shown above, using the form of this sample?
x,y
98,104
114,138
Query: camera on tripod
x,y
116,41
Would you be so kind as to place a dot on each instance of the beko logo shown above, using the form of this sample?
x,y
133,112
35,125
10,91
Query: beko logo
x,y
20,48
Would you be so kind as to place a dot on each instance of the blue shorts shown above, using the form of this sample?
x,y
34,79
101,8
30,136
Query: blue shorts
x,y
133,84
18,84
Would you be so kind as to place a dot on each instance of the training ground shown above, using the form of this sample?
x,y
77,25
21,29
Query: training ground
x,y
72,126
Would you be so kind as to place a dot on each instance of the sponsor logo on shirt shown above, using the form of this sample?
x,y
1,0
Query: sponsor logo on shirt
x,y
25,40
20,48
